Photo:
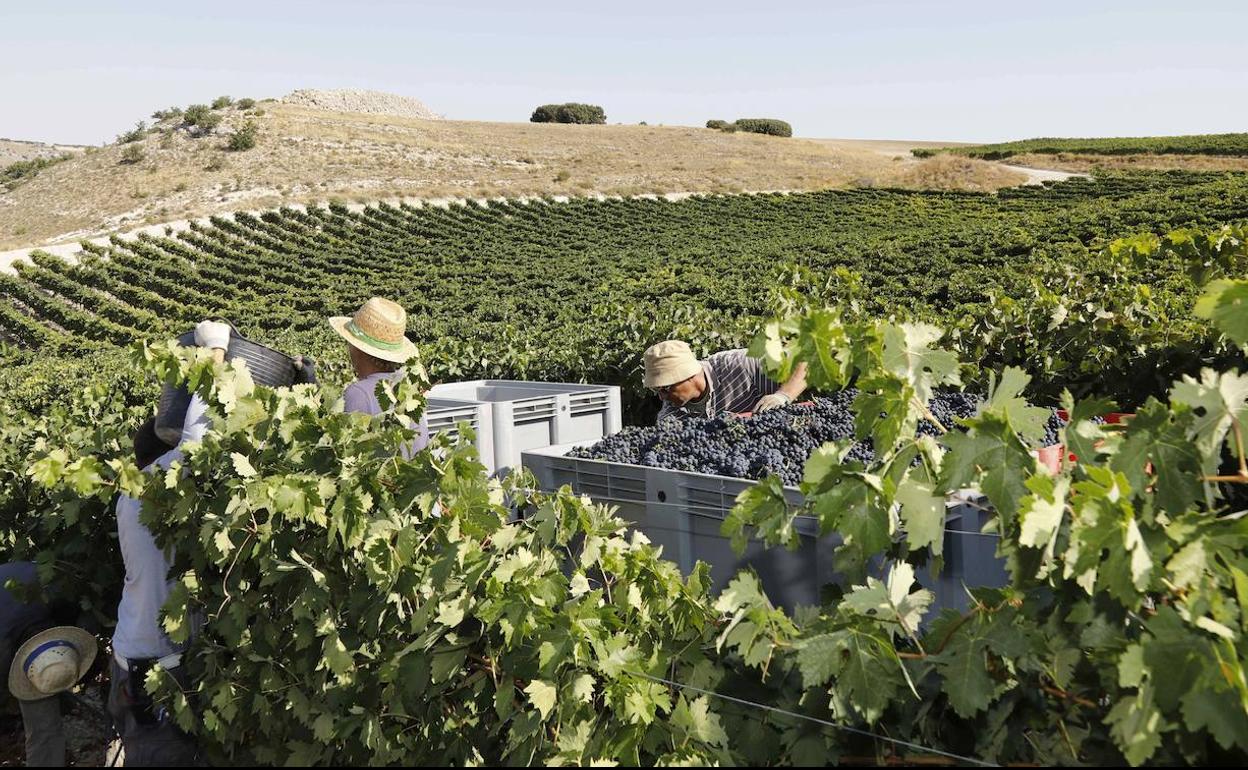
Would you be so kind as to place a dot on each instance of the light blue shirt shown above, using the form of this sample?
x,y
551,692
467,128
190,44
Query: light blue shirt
x,y
361,396
139,634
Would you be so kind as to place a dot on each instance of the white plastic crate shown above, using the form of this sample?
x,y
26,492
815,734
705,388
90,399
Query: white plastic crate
x,y
683,513
532,415
444,415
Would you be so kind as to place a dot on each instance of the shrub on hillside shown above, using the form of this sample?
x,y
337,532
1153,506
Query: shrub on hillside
x,y
195,113
207,124
134,134
221,102
571,112
769,126
14,173
162,115
132,154
245,104
721,125
244,137
200,119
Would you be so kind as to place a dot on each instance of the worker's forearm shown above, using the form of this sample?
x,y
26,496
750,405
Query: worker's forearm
x,y
796,385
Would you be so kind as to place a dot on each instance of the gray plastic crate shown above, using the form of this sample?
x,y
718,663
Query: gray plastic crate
x,y
683,512
532,415
444,415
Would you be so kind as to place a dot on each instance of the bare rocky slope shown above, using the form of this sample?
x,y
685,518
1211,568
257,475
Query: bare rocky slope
x,y
362,101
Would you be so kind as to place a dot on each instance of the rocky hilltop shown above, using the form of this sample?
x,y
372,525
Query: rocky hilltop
x,y
362,100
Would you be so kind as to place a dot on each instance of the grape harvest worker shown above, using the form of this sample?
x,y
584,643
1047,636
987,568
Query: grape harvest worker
x,y
378,348
44,659
728,381
149,736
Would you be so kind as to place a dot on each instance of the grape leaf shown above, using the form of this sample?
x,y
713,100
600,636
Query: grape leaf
x,y
923,512
1219,711
1225,303
1042,511
1136,726
1219,400
542,695
819,659
964,666
697,720
908,354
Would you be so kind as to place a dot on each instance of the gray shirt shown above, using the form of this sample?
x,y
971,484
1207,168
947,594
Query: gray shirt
x,y
361,396
734,383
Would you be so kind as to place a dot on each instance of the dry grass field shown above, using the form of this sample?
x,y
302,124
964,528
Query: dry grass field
x,y
308,155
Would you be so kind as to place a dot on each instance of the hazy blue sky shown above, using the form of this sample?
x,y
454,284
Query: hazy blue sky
x,y
84,71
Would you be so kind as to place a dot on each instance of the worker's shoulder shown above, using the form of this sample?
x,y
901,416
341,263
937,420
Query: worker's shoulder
x,y
734,357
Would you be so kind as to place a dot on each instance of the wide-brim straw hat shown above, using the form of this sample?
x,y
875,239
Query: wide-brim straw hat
x,y
377,329
670,362
80,644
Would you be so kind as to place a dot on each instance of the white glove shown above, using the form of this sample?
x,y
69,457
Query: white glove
x,y
772,401
213,334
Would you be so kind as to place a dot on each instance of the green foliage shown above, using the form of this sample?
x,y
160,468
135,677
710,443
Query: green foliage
x,y
132,154
1199,144
244,137
208,123
133,135
221,102
570,112
66,531
201,119
1125,609
345,622
13,174
195,113
769,126
245,104
720,125
160,116
1016,279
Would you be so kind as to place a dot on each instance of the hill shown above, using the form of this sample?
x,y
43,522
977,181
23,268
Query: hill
x,y
16,150
313,154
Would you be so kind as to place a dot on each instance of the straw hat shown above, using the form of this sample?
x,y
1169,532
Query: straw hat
x,y
670,362
51,662
377,329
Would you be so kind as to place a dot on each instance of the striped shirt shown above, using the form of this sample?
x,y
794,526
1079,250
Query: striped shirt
x,y
734,383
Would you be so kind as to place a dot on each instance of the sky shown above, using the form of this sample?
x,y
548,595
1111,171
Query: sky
x,y
82,72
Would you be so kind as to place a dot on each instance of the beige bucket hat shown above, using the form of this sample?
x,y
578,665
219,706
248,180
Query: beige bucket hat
x,y
670,362
377,329
50,662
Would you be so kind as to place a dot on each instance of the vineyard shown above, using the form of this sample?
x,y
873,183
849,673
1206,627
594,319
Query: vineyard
x,y
491,286
1200,144
358,608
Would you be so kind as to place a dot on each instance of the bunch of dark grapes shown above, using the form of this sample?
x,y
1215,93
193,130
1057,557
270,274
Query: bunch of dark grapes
x,y
1055,423
776,442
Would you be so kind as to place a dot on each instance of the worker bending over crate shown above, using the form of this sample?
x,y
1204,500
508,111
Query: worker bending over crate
x,y
728,381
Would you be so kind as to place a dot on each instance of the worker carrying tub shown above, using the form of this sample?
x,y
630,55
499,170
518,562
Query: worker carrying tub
x,y
728,381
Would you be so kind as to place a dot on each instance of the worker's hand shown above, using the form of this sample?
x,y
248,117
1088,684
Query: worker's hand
x,y
772,401
305,370
213,334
